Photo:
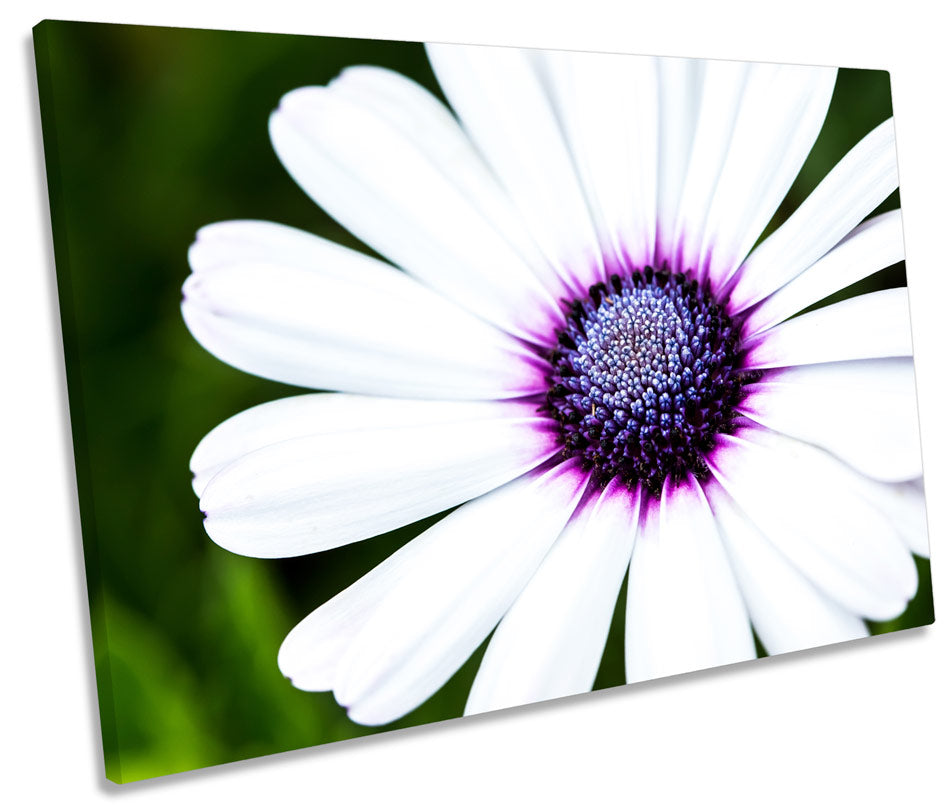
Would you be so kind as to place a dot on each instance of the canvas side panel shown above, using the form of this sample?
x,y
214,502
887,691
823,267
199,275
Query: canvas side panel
x,y
44,39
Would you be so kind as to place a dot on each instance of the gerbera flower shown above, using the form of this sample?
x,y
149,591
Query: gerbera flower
x,y
574,343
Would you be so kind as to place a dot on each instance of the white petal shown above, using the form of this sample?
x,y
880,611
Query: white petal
x,y
549,644
851,191
864,412
684,611
680,96
608,107
388,162
499,97
465,573
422,118
311,652
755,126
874,325
810,506
903,505
781,113
293,307
722,89
240,242
875,244
316,492
330,413
788,612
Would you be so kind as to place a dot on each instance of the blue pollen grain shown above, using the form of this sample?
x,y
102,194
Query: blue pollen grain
x,y
647,371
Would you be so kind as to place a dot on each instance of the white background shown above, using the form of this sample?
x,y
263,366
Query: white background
x,y
863,726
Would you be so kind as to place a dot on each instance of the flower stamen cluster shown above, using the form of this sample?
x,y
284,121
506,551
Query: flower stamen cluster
x,y
646,373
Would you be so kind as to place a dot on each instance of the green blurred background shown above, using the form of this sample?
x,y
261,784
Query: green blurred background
x,y
151,133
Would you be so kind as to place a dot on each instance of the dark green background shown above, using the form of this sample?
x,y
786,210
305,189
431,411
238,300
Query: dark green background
x,y
151,133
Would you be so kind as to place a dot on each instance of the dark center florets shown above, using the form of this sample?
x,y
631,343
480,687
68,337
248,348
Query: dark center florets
x,y
647,371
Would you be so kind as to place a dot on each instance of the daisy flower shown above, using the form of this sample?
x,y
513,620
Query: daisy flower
x,y
578,344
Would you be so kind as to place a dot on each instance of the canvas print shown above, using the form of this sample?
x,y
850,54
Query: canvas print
x,y
412,381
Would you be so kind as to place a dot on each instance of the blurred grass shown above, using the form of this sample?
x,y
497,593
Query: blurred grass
x,y
150,134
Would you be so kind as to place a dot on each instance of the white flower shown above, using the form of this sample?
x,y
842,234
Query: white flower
x,y
750,468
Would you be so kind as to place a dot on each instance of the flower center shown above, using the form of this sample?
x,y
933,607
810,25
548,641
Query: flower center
x,y
647,371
